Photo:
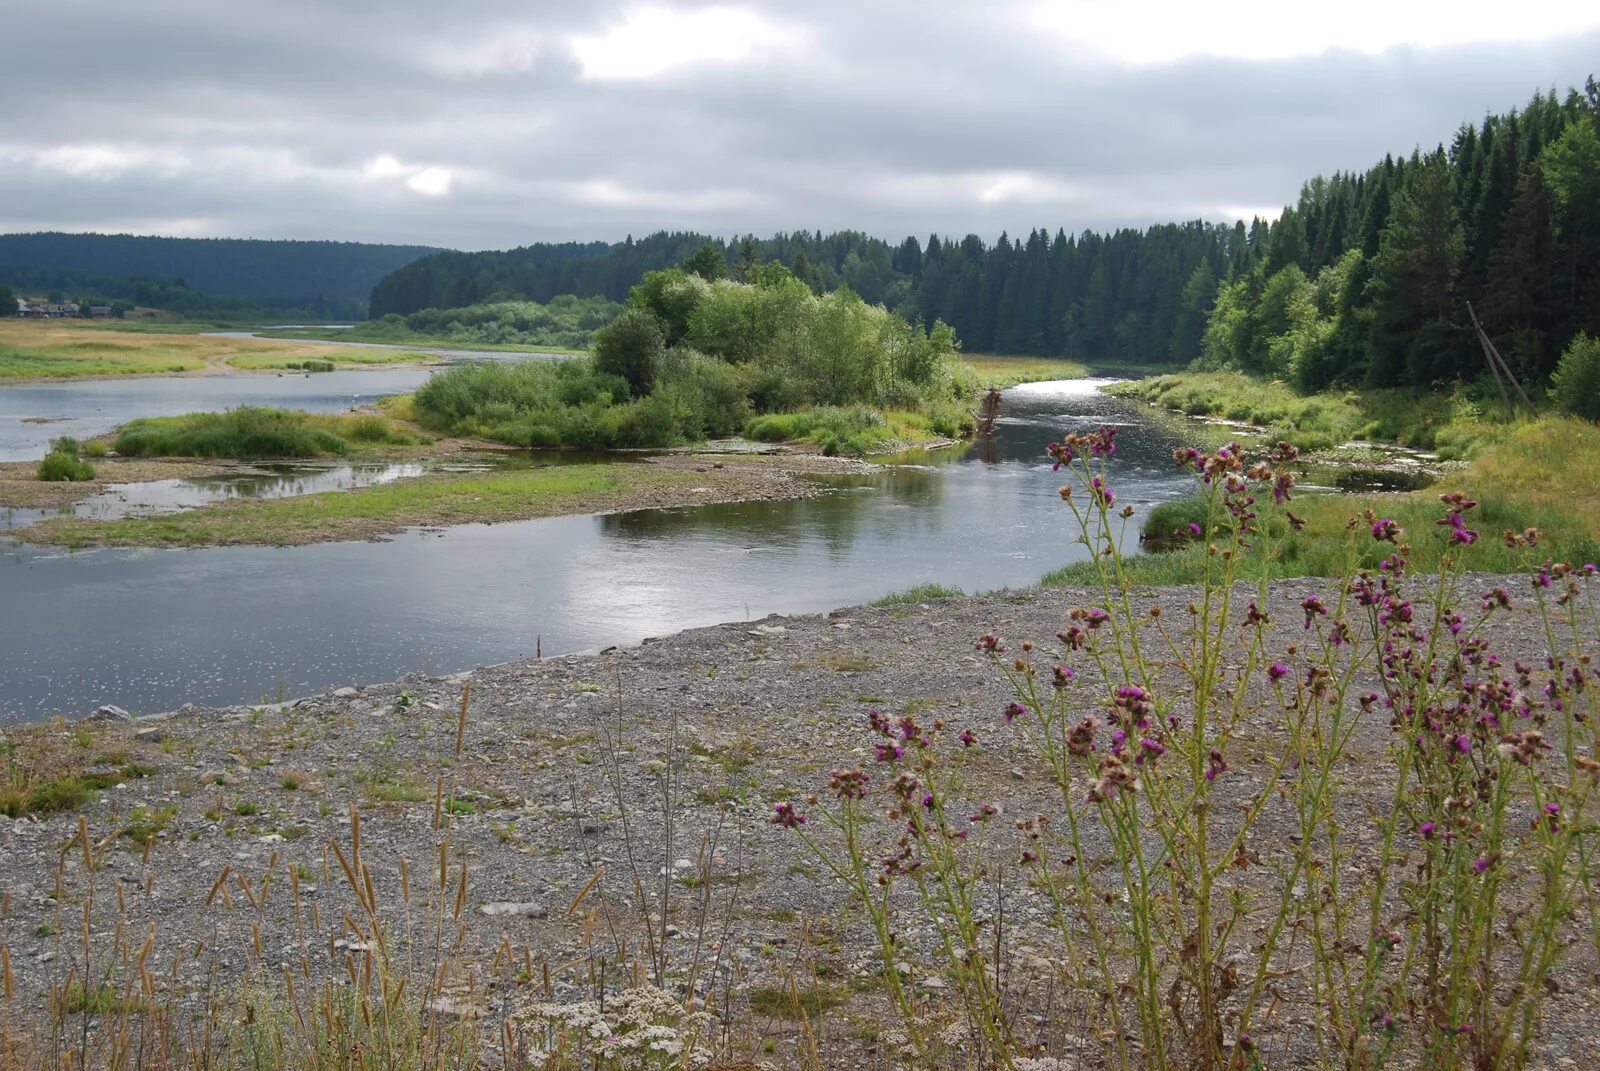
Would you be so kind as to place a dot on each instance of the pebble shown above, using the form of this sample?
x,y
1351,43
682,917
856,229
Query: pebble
x,y
531,909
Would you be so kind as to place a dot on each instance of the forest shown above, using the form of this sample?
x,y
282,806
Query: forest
x,y
273,272
1364,279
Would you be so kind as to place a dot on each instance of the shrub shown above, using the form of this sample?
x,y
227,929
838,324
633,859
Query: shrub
x,y
251,432
60,467
1214,813
1576,383
631,346
95,448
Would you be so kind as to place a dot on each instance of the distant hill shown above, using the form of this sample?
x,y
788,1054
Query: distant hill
x,y
275,272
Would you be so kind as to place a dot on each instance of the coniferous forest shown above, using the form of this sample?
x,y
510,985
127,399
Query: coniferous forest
x,y
1366,278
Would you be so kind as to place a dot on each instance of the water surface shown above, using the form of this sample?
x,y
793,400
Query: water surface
x,y
152,629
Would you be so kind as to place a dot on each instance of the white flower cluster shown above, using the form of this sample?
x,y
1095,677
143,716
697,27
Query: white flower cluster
x,y
638,1030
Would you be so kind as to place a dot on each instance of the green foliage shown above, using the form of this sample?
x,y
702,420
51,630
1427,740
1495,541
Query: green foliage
x,y
708,263
253,432
63,466
1457,424
763,346
212,276
1576,385
631,347
917,594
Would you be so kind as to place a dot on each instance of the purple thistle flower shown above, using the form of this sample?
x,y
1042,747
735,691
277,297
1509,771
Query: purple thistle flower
x,y
1480,864
1014,710
1385,530
967,738
1277,671
1427,830
784,814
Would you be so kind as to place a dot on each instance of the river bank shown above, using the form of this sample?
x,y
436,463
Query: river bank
x,y
54,351
557,777
473,493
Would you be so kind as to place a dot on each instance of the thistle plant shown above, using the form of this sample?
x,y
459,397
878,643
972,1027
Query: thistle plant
x,y
1356,808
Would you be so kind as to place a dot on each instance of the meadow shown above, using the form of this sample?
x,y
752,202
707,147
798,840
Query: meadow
x,y
49,349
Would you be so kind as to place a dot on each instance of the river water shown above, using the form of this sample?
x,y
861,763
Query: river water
x,y
152,629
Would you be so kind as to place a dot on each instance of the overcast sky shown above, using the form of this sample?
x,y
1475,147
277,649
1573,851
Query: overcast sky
x,y
483,124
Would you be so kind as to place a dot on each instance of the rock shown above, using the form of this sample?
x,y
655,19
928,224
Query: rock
x,y
216,777
345,693
108,713
530,909
151,734
453,1007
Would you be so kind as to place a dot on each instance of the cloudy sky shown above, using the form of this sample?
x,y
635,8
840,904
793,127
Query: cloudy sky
x,y
486,124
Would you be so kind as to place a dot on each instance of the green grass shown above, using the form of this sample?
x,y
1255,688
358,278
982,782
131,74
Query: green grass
x,y
1459,424
919,593
858,430
1544,475
994,370
367,512
58,466
352,356
402,338
249,432
34,349
785,1003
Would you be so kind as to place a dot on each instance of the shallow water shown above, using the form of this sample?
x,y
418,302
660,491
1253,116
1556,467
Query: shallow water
x,y
32,414
152,629
154,497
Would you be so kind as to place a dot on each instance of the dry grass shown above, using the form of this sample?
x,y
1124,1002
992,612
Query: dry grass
x,y
49,349
996,370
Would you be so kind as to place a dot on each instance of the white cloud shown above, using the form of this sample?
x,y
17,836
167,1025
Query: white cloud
x,y
1145,33
427,181
505,49
431,181
95,161
609,193
1024,187
652,40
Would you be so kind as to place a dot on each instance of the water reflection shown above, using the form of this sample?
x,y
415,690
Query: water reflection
x,y
150,630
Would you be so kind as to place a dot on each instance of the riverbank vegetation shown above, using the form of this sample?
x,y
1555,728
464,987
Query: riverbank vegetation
x,y
564,324
514,492
50,349
1455,423
692,358
65,463
1511,480
1306,760
252,433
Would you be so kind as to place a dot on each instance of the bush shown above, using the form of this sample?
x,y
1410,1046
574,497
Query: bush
x,y
95,448
631,346
1576,384
59,467
251,432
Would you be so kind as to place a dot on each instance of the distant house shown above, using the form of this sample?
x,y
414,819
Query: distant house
x,y
37,309
100,312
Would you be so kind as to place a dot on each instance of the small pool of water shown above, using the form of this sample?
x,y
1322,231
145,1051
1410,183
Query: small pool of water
x,y
154,497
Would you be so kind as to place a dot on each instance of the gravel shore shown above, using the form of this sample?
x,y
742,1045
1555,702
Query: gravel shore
x,y
567,768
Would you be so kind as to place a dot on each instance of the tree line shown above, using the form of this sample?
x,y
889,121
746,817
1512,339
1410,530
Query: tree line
x,y
287,272
1368,278
1380,266
123,293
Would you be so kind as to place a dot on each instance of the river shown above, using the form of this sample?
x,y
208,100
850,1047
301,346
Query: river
x,y
152,629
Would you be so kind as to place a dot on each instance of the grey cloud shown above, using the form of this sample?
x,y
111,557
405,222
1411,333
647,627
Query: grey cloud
x,y
263,119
